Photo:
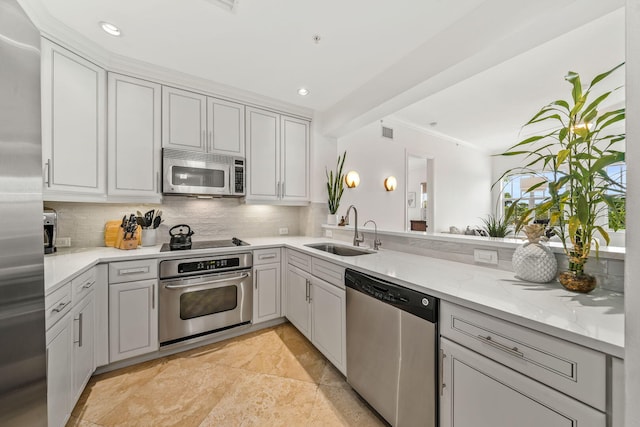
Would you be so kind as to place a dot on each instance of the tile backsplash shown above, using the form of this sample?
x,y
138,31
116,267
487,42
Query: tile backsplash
x,y
210,219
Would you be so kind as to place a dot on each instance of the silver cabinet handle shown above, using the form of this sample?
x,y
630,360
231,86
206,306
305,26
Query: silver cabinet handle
x,y
88,284
48,174
270,256
153,297
79,320
511,350
310,298
255,278
441,372
61,307
133,271
306,290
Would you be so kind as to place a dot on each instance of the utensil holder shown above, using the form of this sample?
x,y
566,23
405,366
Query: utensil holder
x,y
149,236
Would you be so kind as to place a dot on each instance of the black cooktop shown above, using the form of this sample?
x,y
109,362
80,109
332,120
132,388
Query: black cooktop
x,y
208,244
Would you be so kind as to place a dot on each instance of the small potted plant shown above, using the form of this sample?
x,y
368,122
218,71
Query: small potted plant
x,y
335,187
575,152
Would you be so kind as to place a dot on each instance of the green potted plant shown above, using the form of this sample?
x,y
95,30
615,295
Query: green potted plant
x,y
335,187
575,152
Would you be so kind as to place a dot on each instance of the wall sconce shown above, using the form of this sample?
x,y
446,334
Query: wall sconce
x,y
390,183
352,179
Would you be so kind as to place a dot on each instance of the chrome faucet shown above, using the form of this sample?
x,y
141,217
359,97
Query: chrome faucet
x,y
356,239
376,242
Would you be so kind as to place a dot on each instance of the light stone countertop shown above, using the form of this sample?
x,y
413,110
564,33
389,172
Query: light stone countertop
x,y
595,320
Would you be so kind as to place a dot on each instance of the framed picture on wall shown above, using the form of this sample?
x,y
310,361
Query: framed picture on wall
x,y
411,199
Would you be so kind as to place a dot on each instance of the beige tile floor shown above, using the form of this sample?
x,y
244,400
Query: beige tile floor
x,y
273,377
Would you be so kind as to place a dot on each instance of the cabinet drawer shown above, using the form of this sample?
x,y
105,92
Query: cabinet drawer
x,y
300,260
129,271
266,256
567,367
57,305
83,284
328,272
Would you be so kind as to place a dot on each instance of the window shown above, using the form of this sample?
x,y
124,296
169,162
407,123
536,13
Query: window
x,y
515,191
618,174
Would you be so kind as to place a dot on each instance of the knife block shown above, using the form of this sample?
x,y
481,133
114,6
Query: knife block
x,y
113,234
126,244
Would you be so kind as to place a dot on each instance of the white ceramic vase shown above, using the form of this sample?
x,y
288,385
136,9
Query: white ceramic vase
x,y
534,262
332,219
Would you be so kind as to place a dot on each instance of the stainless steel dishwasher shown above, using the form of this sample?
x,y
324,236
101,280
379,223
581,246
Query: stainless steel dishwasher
x,y
392,344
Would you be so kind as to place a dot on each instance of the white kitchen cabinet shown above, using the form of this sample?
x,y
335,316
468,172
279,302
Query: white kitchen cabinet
x,y
59,373
192,121
134,137
477,391
317,308
73,125
277,157
266,281
225,127
266,298
133,319
328,321
83,344
298,309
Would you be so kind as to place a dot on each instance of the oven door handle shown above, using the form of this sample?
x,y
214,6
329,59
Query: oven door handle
x,y
208,282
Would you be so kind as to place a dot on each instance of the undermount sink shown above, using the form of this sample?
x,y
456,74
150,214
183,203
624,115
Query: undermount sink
x,y
339,249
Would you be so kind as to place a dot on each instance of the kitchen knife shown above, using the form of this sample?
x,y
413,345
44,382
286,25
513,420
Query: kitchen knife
x,y
156,222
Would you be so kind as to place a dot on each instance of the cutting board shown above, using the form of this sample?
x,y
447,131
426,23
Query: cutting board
x,y
111,231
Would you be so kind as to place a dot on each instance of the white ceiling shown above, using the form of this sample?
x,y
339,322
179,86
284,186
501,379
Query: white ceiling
x,y
369,52
489,109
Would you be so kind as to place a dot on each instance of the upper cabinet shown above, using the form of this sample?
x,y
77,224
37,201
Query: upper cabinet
x,y
73,125
134,140
191,121
277,157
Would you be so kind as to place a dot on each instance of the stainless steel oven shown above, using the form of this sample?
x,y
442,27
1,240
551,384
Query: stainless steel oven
x,y
200,296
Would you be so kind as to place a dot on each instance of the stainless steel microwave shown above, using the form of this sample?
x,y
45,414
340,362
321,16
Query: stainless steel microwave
x,y
191,173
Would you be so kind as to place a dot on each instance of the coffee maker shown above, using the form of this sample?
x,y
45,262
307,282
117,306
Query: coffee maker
x,y
50,218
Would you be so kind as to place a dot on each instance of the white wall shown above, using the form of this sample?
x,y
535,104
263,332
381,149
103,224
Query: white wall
x,y
632,261
323,154
461,184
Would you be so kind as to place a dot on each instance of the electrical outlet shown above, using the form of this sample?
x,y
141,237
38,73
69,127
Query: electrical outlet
x,y
63,242
484,256
283,230
328,233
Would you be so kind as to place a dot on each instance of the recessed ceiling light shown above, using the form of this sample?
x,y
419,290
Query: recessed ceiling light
x,y
110,28
303,91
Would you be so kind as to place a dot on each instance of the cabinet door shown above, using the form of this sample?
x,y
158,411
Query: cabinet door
x,y
481,392
225,123
83,344
266,299
73,123
184,119
328,321
133,319
59,342
134,137
294,159
297,300
263,155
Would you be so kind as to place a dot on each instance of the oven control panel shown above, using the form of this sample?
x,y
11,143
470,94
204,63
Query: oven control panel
x,y
207,265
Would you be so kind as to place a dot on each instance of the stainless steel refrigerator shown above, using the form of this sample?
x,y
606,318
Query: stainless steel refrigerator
x,y
23,381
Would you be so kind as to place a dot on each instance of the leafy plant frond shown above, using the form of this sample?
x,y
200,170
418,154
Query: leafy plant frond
x,y
335,185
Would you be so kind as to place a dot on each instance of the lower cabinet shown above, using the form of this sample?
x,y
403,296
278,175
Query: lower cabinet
x,y
476,391
59,363
133,319
83,344
266,284
318,309
266,299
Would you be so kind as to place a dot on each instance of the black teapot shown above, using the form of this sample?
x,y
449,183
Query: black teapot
x,y
180,239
